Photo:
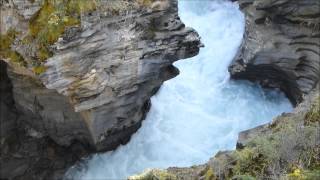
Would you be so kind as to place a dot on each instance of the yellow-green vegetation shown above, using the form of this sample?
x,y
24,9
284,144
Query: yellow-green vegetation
x,y
313,115
154,174
312,175
301,174
257,155
296,174
81,6
314,161
6,52
244,177
39,69
262,152
145,3
249,161
51,21
292,143
209,175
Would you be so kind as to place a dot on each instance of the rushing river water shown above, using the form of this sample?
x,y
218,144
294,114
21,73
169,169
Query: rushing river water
x,y
199,112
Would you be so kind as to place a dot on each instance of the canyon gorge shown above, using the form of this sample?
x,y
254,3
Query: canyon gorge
x,y
77,79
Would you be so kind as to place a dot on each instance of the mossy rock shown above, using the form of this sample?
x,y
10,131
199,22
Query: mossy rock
x,y
46,26
6,52
39,69
50,22
146,3
154,174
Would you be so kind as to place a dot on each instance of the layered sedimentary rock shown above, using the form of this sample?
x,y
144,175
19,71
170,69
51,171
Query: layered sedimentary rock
x,y
96,85
281,46
26,153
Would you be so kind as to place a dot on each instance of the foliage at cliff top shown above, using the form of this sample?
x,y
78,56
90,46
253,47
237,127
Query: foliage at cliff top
x,y
291,151
51,21
6,52
145,2
154,174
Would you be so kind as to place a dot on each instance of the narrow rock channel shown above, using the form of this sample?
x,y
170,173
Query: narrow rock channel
x,y
200,111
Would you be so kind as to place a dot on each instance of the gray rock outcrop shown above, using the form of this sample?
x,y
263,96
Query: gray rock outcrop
x,y
281,46
97,85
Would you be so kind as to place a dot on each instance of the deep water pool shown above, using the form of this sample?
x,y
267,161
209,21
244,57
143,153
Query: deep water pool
x,y
200,111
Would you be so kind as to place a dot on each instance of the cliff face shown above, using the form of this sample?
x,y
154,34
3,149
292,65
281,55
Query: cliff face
x,y
96,83
281,45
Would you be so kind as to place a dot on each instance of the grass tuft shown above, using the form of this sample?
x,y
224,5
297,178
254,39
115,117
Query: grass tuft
x,y
39,69
50,22
6,52
313,115
146,3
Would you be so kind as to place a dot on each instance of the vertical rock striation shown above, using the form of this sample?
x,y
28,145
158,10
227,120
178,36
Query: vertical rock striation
x,y
281,46
97,85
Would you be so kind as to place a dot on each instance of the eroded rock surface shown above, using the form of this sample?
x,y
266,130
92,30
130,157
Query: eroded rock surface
x,y
94,90
25,153
281,47
97,85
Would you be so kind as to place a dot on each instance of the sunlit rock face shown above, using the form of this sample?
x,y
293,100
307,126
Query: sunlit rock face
x,y
98,83
281,45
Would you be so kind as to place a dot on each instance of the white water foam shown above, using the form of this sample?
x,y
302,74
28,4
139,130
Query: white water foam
x,y
199,112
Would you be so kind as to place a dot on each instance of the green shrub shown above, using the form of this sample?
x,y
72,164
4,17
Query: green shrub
x,y
313,116
209,175
6,52
39,69
154,174
243,177
51,21
303,174
313,174
145,3
249,161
